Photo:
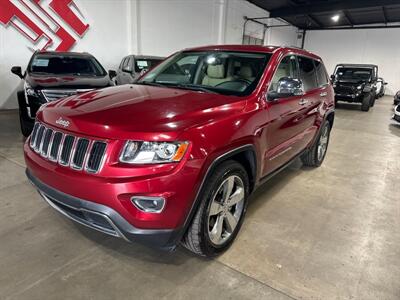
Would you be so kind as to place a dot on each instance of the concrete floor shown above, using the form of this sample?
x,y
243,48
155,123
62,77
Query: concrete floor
x,y
326,233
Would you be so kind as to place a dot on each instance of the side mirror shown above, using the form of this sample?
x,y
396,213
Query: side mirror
x,y
333,77
286,87
112,74
17,71
385,83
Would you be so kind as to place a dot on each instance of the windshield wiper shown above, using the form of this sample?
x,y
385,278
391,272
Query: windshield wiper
x,y
150,83
193,87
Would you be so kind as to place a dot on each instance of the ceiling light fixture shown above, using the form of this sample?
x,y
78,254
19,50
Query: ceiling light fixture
x,y
335,18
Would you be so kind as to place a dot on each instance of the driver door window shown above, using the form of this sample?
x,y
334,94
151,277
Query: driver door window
x,y
286,68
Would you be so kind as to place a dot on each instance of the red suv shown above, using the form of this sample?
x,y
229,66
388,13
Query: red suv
x,y
174,157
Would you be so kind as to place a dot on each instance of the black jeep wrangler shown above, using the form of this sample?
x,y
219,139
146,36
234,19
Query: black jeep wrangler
x,y
356,83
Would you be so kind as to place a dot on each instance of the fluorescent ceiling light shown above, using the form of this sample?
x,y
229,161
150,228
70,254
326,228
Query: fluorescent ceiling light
x,y
335,18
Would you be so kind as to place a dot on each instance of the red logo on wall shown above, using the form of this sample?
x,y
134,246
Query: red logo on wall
x,y
48,24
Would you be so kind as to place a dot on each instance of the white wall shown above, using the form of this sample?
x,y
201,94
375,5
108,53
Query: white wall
x,y
153,27
370,46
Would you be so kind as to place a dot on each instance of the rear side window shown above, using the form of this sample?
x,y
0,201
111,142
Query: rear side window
x,y
321,73
307,73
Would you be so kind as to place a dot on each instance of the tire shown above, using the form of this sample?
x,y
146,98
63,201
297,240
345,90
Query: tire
x,y
313,157
26,126
366,102
202,235
373,98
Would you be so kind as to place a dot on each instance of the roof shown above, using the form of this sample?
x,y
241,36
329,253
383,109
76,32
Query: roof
x,y
317,14
58,53
357,65
148,57
253,48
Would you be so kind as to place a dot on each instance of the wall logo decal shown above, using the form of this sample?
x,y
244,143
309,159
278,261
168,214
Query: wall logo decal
x,y
47,24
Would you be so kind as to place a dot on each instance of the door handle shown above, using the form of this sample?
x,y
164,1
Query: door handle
x,y
324,94
303,101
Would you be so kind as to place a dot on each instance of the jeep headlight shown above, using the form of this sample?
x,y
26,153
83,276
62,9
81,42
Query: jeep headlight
x,y
29,91
135,152
360,87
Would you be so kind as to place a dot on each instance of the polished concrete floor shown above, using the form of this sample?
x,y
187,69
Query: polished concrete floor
x,y
326,233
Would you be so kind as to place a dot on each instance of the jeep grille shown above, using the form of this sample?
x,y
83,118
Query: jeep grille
x,y
68,150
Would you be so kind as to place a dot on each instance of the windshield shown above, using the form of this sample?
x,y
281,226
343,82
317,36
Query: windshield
x,y
145,64
354,73
66,65
231,73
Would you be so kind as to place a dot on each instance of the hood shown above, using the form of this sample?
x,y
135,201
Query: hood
x,y
67,82
138,111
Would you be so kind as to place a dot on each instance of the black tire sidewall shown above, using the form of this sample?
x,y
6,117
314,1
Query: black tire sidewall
x,y
207,246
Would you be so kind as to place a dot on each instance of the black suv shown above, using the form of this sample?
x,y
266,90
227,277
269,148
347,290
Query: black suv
x,y
54,75
356,83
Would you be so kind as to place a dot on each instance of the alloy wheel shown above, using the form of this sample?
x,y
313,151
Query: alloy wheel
x,y
323,143
226,209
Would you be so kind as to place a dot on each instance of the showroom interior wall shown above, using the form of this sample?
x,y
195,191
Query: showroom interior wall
x,y
374,46
154,27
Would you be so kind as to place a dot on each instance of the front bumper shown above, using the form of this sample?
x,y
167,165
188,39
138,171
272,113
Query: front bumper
x,y
103,218
348,97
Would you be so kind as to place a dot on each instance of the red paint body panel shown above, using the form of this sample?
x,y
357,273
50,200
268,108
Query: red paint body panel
x,y
213,124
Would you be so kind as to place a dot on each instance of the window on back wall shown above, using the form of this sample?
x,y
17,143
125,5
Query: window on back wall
x,y
249,40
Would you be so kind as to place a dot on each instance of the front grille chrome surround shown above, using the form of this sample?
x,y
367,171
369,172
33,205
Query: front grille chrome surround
x,y
68,150
53,95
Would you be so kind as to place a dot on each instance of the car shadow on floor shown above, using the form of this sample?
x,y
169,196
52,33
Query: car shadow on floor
x,y
348,106
394,128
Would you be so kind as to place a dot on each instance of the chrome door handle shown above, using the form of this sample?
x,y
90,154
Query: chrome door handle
x,y
324,94
303,101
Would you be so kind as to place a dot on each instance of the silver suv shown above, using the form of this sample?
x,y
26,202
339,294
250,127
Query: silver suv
x,y
132,66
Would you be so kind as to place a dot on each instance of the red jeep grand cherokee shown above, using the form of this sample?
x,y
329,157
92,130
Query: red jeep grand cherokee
x,y
174,157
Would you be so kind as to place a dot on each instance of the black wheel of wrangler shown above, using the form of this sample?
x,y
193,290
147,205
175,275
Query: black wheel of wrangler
x,y
366,102
316,155
223,202
373,98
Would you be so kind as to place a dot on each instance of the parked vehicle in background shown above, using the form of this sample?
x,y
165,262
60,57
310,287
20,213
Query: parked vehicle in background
x,y
356,83
174,157
380,87
53,75
396,115
133,66
396,100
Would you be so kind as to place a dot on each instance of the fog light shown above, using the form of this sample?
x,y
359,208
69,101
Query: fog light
x,y
149,204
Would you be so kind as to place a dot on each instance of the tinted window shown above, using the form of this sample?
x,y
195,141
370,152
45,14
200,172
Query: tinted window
x,y
64,64
145,64
286,68
344,73
225,72
307,73
321,73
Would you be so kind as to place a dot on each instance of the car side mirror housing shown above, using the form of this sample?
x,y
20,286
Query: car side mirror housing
x,y
385,83
17,71
287,87
112,74
333,77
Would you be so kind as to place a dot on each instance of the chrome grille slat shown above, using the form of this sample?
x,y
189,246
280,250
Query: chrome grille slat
x,y
52,95
46,142
55,146
68,150
38,140
96,157
79,154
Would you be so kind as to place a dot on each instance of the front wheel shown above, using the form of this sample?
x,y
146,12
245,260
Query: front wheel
x,y
366,102
316,155
223,203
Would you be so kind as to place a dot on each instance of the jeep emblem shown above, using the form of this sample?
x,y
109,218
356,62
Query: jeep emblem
x,y
62,122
